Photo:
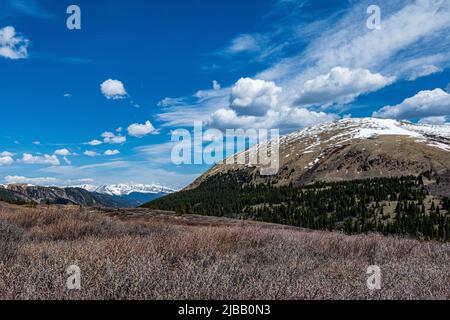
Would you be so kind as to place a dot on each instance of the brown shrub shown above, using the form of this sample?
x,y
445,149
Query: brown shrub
x,y
148,259
10,236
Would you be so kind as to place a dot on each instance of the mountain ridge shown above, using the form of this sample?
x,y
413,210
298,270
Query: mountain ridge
x,y
356,176
351,149
26,194
123,189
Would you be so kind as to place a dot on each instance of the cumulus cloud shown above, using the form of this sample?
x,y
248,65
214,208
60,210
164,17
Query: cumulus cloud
x,y
6,154
91,154
113,89
94,142
40,159
111,138
254,97
62,152
216,85
111,152
140,130
427,103
255,104
286,119
6,161
35,181
341,85
434,120
12,45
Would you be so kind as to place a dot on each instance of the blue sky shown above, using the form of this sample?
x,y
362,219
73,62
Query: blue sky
x,y
282,64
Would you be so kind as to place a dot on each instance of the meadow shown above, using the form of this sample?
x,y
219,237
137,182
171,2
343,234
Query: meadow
x,y
145,254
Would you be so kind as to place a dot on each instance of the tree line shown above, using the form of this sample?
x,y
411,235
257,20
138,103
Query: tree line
x,y
391,206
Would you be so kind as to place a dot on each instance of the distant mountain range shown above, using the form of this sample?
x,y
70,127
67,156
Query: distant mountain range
x,y
119,196
25,194
133,195
127,189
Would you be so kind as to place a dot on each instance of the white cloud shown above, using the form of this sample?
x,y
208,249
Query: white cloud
x,y
169,102
111,152
434,120
255,104
411,35
400,29
286,119
12,45
254,97
111,138
40,159
119,129
67,95
94,142
216,109
91,154
424,71
37,143
244,43
216,85
341,85
409,45
140,130
113,89
6,161
62,152
35,181
427,103
67,161
6,154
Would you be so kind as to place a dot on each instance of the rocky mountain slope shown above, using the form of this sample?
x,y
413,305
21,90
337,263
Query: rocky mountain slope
x,y
352,149
51,195
354,175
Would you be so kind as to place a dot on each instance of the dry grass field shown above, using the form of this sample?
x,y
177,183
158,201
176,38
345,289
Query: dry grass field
x,y
139,254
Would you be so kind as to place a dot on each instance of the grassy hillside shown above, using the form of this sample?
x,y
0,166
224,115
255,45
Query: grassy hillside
x,y
140,254
390,206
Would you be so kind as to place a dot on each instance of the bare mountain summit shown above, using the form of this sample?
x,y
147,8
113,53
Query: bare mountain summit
x,y
352,149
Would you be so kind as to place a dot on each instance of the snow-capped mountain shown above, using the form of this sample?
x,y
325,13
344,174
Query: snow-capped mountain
x,y
352,149
127,189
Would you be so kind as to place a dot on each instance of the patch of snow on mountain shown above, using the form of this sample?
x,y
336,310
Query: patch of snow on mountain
x,y
127,189
366,128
